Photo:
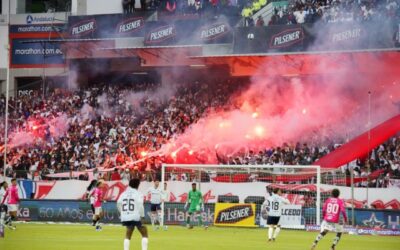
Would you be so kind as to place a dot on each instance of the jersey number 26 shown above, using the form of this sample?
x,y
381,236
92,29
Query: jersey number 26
x,y
128,205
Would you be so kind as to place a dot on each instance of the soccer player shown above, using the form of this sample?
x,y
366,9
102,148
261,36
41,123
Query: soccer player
x,y
3,208
155,204
130,206
13,200
98,199
331,211
273,204
164,198
195,203
89,191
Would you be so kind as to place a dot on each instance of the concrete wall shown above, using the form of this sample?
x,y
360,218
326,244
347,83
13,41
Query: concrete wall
x,y
97,7
3,46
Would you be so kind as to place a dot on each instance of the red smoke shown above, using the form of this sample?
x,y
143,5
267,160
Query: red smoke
x,y
313,109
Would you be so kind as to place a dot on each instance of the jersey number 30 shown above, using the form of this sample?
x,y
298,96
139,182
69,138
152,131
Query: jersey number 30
x,y
128,205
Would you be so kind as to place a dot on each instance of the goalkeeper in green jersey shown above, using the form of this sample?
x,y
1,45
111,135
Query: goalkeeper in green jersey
x,y
196,206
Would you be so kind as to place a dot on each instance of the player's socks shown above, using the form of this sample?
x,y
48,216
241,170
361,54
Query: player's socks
x,y
200,220
159,219
145,242
2,219
319,237
9,220
126,244
188,221
277,230
270,232
336,240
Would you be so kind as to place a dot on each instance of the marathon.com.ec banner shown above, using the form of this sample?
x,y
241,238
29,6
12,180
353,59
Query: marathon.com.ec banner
x,y
235,215
30,47
290,218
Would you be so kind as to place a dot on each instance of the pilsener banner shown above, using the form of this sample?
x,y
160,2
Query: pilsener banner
x,y
290,218
235,215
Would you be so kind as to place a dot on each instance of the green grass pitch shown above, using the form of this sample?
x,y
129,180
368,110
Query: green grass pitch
x,y
84,237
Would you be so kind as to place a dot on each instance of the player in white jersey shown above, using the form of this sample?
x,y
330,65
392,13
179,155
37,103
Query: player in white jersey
x,y
164,198
90,198
130,206
155,193
273,204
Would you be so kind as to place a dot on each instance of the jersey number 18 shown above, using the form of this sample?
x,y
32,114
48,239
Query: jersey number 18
x,y
273,205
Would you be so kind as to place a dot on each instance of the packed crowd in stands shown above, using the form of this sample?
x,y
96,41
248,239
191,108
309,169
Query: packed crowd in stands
x,y
108,129
335,11
216,7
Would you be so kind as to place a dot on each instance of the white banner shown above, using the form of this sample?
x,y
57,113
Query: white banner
x,y
291,217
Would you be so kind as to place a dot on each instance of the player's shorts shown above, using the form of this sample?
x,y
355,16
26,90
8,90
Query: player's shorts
x,y
12,207
332,227
132,224
273,220
97,210
194,209
155,207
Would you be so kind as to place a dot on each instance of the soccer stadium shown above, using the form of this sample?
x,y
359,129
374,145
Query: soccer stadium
x,y
171,124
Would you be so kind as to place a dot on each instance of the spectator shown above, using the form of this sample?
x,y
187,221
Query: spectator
x,y
260,21
115,175
126,6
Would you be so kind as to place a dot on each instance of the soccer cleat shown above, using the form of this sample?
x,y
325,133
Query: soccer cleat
x,y
165,228
313,246
205,227
11,227
273,239
98,228
333,248
190,227
269,240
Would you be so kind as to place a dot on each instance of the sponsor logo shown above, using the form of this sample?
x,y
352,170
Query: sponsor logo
x,y
234,214
291,212
33,51
25,92
177,216
360,231
23,213
161,34
39,19
373,222
346,35
83,28
130,25
217,30
287,38
29,19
